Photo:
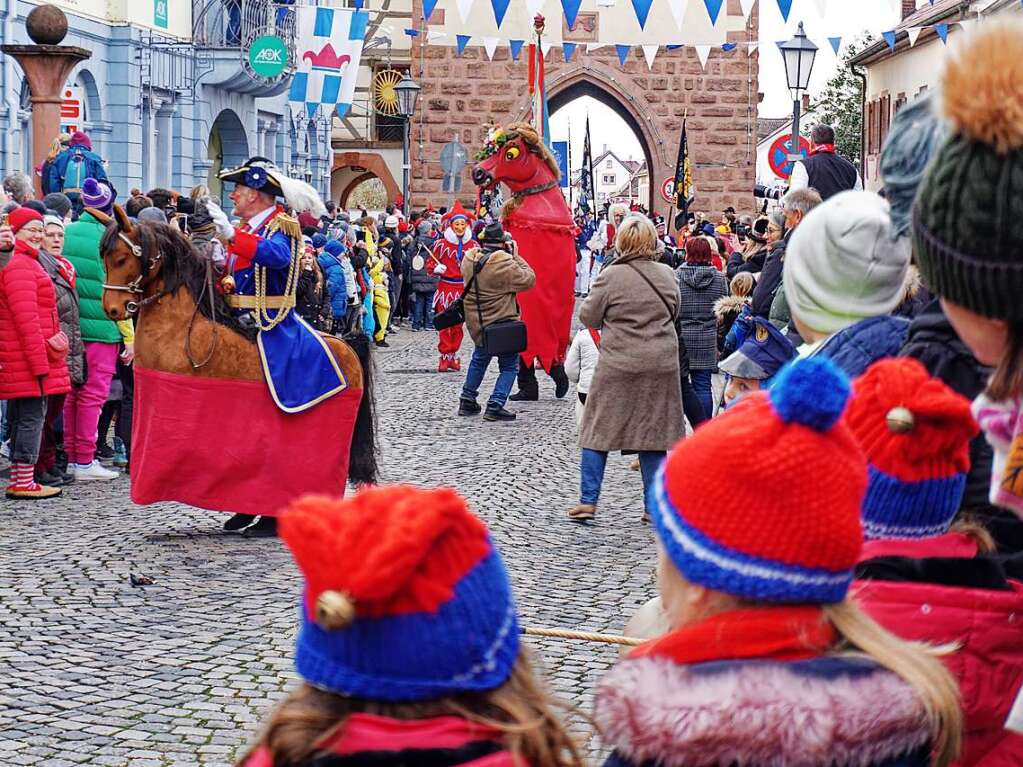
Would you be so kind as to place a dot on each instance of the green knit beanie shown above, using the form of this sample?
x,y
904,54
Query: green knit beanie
x,y
968,218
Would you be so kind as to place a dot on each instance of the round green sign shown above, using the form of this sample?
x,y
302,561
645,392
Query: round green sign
x,y
268,56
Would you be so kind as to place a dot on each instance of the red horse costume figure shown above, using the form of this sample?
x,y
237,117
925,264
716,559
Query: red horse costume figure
x,y
446,263
539,220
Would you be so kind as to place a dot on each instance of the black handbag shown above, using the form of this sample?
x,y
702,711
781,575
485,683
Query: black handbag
x,y
501,337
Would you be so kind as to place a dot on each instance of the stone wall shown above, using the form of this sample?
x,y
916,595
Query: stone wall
x,y
462,95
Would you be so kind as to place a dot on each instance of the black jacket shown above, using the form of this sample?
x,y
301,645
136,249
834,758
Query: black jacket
x,y
422,280
754,265
770,278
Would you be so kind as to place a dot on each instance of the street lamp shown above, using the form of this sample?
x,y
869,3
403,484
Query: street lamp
x,y
407,91
798,54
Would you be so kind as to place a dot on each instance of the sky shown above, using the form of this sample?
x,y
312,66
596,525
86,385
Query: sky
x,y
845,18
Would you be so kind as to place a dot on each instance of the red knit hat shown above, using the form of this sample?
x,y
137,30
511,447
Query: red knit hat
x,y
916,434
21,216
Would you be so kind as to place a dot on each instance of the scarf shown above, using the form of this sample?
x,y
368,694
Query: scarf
x,y
1002,423
822,149
784,633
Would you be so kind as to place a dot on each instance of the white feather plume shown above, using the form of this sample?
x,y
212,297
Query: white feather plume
x,y
299,195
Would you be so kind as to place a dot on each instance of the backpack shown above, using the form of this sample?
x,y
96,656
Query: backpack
x,y
76,171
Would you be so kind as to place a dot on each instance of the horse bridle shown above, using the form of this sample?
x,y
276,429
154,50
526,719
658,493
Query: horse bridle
x,y
135,287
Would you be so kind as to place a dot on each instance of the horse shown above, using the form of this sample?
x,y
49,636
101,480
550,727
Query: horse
x,y
540,222
191,346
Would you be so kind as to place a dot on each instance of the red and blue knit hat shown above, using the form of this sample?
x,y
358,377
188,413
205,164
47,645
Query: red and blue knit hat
x,y
916,434
763,502
406,597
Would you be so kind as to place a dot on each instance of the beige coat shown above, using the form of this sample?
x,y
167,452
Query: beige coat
x,y
503,277
635,399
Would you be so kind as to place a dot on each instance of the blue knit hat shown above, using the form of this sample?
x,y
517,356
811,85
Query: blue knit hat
x,y
405,598
319,241
916,434
334,247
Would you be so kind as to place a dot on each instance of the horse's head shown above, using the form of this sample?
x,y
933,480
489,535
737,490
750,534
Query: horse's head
x,y
516,157
127,273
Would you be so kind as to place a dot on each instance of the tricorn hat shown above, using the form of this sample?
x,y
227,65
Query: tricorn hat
x,y
261,174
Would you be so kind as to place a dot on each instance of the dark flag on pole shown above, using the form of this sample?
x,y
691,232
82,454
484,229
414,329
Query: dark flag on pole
x,y
586,175
683,180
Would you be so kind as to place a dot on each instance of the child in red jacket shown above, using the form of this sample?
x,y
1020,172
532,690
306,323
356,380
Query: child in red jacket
x,y
923,576
33,352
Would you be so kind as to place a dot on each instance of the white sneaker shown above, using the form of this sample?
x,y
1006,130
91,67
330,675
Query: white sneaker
x,y
5,449
94,470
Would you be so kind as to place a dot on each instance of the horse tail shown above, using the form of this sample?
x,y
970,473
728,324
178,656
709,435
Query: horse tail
x,y
363,453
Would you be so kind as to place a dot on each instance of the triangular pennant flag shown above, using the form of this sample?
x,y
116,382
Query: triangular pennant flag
x,y
433,34
889,37
678,10
571,8
623,53
464,6
516,48
703,51
753,47
836,43
822,8
500,8
461,41
673,47
642,9
914,33
545,46
649,52
785,6
490,46
713,9
534,7
428,6
942,31
728,47
747,7
590,47
568,49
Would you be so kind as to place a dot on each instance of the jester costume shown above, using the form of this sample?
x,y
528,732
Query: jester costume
x,y
263,265
447,264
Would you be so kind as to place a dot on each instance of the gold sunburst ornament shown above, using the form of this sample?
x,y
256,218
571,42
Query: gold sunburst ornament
x,y
385,97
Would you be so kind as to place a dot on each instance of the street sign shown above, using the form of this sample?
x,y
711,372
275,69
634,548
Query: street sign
x,y
668,190
453,159
268,56
778,154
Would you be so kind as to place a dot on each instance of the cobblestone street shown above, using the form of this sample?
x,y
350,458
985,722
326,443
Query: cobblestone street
x,y
180,672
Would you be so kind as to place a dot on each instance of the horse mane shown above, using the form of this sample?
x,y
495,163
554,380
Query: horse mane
x,y
183,267
528,134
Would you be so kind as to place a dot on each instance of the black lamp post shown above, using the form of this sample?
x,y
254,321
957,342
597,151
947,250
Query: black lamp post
x,y
408,94
798,54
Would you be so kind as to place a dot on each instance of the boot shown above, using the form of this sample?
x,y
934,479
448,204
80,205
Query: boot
x,y
468,407
497,413
529,389
560,380
584,512
238,522
456,364
266,527
443,366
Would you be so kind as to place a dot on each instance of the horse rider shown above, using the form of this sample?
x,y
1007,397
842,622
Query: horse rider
x,y
260,279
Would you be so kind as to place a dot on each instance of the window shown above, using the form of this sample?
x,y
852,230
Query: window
x,y
610,163
900,102
609,178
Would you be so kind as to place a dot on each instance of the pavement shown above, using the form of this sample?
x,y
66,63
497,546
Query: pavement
x,y
182,672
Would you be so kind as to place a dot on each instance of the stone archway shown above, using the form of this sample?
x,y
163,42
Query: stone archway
x,y
227,147
352,168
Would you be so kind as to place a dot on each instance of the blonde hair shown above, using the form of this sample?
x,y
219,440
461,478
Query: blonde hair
x,y
916,663
519,709
200,192
636,238
741,284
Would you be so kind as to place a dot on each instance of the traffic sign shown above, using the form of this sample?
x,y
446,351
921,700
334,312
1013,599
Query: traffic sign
x,y
778,154
668,190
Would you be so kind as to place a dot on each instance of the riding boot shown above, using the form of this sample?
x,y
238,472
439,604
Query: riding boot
x,y
239,521
529,389
560,380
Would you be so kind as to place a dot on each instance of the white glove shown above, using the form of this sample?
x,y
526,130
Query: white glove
x,y
440,269
220,220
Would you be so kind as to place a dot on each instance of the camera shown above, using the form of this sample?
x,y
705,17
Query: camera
x,y
769,192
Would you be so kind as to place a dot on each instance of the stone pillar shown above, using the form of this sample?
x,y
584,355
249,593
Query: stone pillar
x,y
165,144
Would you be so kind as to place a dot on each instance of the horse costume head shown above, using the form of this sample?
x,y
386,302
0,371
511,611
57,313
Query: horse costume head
x,y
516,157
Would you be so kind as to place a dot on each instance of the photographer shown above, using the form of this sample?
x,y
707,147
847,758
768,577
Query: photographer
x,y
753,253
494,274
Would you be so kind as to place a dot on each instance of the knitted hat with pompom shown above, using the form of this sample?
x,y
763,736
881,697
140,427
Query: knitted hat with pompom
x,y
405,597
782,522
968,220
916,434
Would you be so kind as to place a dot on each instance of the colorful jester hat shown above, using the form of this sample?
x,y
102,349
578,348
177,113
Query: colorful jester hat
x,y
406,598
916,434
763,502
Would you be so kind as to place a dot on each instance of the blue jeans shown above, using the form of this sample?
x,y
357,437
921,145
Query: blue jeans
x,y
508,364
702,386
591,469
422,310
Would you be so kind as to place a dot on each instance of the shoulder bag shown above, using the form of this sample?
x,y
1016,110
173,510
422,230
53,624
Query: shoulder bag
x,y
455,313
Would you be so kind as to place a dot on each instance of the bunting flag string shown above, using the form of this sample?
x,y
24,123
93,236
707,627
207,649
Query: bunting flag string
x,y
836,43
703,51
461,41
516,48
568,49
942,31
785,6
713,9
678,11
649,53
642,9
914,33
490,46
571,8
500,9
889,37
623,53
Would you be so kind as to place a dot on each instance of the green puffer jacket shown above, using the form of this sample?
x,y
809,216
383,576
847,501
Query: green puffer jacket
x,y
81,248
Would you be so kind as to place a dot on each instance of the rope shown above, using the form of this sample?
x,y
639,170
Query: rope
x,y
583,636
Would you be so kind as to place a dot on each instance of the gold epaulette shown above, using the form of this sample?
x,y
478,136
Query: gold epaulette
x,y
286,224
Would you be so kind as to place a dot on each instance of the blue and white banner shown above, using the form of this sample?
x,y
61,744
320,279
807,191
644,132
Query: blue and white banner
x,y
560,149
328,51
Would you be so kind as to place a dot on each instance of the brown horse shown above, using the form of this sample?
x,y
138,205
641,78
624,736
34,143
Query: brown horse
x,y
185,327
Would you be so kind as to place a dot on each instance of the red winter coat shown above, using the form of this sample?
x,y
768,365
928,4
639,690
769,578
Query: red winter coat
x,y
28,316
986,623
